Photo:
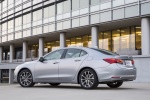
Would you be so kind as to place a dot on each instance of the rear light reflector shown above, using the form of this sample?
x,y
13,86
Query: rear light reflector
x,y
115,77
113,60
132,62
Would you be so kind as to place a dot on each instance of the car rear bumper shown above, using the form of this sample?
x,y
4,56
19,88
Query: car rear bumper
x,y
114,73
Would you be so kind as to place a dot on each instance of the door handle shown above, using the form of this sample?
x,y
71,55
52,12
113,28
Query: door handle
x,y
55,62
77,60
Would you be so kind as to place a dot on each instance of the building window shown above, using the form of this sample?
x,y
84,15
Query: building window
x,y
50,46
10,26
27,21
46,12
125,41
59,8
27,18
84,41
118,2
4,28
94,2
101,40
27,33
75,5
107,40
79,4
4,3
138,38
10,37
33,51
18,35
49,11
105,4
36,1
130,1
121,40
84,4
66,6
17,2
18,23
4,38
37,15
132,38
10,2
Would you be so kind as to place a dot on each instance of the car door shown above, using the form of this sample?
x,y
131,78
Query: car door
x,y
47,71
70,64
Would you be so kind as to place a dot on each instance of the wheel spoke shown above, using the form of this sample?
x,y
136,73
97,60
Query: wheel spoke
x,y
83,76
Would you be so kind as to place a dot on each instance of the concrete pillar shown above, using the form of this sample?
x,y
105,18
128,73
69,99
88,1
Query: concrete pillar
x,y
41,47
11,53
94,33
1,54
11,76
62,40
24,52
145,25
0,76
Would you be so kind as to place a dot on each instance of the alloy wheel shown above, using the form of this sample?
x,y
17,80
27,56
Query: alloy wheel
x,y
25,78
88,79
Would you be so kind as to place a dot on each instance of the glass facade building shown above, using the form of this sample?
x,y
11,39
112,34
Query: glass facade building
x,y
118,26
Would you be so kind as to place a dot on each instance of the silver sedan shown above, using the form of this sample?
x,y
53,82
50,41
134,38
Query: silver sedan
x,y
85,66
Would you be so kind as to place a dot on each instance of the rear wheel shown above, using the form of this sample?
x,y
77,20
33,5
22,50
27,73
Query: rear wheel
x,y
114,84
54,84
25,78
88,79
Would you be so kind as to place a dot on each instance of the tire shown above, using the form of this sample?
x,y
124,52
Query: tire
x,y
25,78
88,79
114,84
54,84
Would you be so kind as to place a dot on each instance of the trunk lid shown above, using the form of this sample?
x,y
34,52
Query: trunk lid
x,y
127,60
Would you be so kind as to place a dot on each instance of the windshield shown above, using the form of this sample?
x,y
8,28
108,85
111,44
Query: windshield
x,y
106,52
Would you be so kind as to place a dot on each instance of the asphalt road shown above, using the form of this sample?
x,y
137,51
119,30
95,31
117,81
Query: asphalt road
x,y
128,91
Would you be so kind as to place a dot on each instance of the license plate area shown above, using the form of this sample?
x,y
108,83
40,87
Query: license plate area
x,y
128,62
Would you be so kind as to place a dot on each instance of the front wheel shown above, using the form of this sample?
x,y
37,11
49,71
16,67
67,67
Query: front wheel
x,y
88,79
114,84
25,78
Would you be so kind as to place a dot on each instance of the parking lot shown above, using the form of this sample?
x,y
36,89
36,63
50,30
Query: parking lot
x,y
129,91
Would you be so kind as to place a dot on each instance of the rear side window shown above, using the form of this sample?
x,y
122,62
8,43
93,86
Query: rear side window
x,y
83,53
72,53
106,52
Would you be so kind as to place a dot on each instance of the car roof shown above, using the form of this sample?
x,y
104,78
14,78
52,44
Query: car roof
x,y
83,48
87,49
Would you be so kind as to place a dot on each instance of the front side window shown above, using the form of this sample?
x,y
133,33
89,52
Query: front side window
x,y
72,53
54,55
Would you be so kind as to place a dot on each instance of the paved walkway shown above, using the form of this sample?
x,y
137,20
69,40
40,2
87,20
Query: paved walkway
x,y
129,91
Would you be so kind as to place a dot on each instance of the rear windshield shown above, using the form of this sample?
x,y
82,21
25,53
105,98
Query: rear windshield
x,y
106,52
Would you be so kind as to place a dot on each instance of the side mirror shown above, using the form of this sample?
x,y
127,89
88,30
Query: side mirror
x,y
41,59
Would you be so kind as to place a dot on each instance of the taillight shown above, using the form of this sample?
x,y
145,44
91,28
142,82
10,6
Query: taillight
x,y
132,62
113,60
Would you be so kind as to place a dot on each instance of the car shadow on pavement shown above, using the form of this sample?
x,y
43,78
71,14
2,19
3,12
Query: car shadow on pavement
x,y
78,87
